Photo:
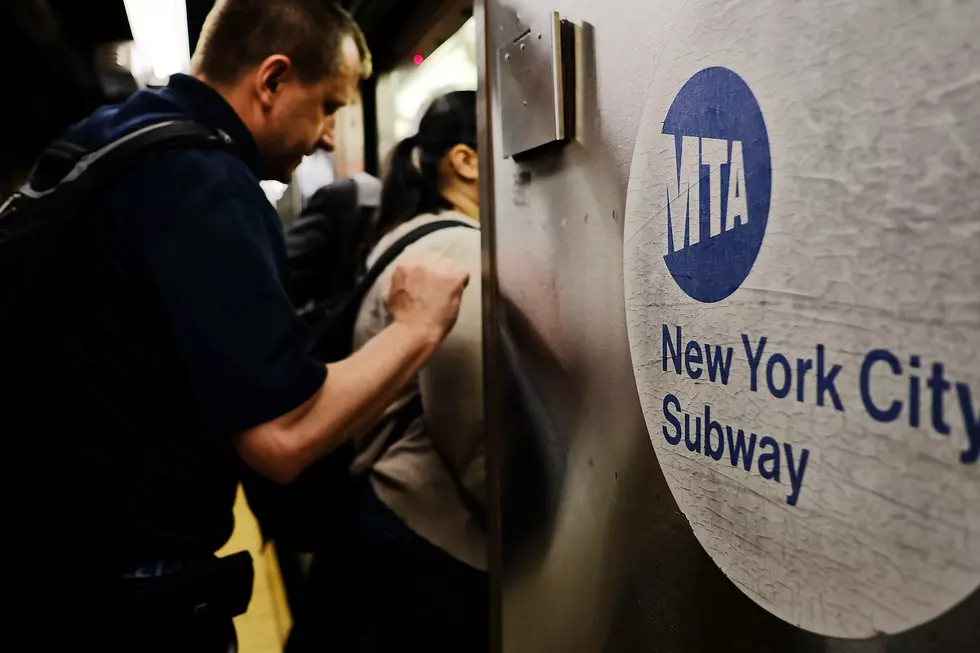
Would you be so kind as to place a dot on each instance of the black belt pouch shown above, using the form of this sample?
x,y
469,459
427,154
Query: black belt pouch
x,y
208,587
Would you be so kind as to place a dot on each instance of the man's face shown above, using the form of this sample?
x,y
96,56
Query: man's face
x,y
301,116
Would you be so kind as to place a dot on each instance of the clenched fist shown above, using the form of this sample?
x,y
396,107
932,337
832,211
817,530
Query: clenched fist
x,y
425,292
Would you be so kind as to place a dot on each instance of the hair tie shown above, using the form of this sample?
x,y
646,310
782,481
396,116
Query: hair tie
x,y
416,158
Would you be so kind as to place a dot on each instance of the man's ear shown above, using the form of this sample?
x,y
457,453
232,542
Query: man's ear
x,y
269,77
464,162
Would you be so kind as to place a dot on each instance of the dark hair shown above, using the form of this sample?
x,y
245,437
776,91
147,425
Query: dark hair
x,y
410,191
240,34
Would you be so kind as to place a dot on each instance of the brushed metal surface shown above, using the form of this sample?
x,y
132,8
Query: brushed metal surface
x,y
531,89
595,554
491,361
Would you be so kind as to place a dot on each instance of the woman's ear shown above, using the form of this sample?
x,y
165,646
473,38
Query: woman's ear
x,y
464,162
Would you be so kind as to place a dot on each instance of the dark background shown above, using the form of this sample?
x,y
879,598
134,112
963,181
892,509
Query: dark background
x,y
47,62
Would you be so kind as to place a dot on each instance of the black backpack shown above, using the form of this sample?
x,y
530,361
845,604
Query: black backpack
x,y
37,223
315,511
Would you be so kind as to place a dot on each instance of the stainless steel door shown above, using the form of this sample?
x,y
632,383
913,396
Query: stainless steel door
x,y
596,554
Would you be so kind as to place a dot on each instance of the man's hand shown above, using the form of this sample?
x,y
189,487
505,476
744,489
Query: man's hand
x,y
424,298
425,292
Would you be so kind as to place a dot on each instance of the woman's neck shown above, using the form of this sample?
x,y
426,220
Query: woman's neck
x,y
463,202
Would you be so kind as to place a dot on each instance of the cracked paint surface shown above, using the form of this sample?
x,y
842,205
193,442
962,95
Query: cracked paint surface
x,y
873,117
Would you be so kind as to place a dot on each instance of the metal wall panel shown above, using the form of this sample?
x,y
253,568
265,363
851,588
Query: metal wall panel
x,y
596,554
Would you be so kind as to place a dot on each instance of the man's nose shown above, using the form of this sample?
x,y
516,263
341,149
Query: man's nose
x,y
326,140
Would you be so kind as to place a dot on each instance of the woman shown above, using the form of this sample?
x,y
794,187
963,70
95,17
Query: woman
x,y
420,529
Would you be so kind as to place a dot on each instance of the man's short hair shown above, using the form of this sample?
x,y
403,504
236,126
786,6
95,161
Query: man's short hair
x,y
240,34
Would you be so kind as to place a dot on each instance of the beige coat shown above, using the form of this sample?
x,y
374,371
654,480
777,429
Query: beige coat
x,y
413,477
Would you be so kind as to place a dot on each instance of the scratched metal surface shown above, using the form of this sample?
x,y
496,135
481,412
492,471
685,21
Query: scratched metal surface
x,y
597,556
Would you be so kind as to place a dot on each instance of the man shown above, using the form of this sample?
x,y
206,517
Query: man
x,y
182,357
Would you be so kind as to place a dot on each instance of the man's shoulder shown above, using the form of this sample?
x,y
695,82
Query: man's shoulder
x,y
368,190
358,191
111,122
192,174
327,198
182,175
174,186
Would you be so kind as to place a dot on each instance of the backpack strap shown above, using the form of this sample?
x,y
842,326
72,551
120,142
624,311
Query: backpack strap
x,y
356,298
79,176
395,250
65,164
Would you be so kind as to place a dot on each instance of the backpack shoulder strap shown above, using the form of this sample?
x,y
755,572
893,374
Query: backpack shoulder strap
x,y
64,164
395,250
69,177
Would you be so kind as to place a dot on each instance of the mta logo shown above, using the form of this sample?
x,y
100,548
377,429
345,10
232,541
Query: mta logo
x,y
718,199
725,212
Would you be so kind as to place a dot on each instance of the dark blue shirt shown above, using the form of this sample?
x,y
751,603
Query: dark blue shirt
x,y
179,334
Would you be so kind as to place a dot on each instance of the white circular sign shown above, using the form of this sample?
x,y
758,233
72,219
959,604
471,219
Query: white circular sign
x,y
803,301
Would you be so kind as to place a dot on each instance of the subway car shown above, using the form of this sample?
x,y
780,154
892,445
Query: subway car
x,y
731,286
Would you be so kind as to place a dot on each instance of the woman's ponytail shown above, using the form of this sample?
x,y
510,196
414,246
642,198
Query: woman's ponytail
x,y
410,189
411,184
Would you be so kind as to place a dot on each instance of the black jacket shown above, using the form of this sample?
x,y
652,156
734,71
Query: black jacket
x,y
325,244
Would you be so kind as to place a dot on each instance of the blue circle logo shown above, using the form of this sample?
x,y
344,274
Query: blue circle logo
x,y
718,204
